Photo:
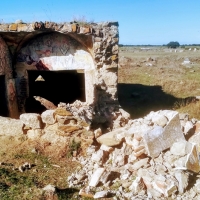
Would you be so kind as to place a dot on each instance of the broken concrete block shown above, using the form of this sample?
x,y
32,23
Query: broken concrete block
x,y
97,156
10,126
179,148
139,152
137,185
182,179
106,148
132,141
112,138
97,133
34,133
160,120
137,165
50,135
171,188
179,163
195,139
48,117
101,194
188,126
137,130
96,177
192,162
31,120
63,120
164,188
160,138
197,127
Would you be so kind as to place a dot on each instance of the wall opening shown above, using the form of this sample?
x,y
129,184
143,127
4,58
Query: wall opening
x,y
58,86
3,97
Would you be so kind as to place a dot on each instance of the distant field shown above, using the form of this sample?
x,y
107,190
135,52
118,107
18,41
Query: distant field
x,y
176,72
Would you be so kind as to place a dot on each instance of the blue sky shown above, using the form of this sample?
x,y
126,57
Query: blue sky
x,y
140,21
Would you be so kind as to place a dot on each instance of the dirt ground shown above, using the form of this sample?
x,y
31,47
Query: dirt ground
x,y
157,78
149,80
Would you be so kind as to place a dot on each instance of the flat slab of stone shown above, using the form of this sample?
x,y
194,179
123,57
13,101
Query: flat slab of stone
x,y
160,138
112,138
32,120
48,117
10,126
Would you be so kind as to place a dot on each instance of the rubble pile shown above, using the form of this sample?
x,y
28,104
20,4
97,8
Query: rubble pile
x,y
56,127
155,157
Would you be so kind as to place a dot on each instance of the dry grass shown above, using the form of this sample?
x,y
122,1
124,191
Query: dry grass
x,y
165,85
48,167
160,67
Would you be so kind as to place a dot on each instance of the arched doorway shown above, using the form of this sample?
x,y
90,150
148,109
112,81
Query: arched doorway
x,y
65,66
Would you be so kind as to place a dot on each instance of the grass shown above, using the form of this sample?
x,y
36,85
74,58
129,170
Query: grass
x,y
165,85
177,82
46,169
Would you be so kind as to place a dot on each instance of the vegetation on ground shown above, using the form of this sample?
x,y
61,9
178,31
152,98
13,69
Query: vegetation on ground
x,y
160,79
150,79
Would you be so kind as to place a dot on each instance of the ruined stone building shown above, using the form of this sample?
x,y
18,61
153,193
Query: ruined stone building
x,y
59,62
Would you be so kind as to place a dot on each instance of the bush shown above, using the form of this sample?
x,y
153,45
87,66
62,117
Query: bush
x,y
173,45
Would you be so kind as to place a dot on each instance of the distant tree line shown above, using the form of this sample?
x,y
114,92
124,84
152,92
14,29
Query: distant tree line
x,y
169,45
173,45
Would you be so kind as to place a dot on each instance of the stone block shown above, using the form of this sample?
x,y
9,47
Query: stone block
x,y
66,28
48,117
197,127
110,78
114,57
179,148
13,27
85,30
115,49
101,194
22,27
182,179
10,126
31,120
34,134
63,120
62,112
4,27
67,130
192,162
96,177
74,28
188,126
160,120
112,138
188,156
97,39
160,138
49,135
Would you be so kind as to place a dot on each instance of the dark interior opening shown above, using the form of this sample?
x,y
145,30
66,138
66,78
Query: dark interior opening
x,y
59,86
3,98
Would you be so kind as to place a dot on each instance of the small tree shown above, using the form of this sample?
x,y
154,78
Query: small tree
x,y
173,45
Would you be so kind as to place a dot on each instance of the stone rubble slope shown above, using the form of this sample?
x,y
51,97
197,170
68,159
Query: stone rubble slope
x,y
148,158
155,157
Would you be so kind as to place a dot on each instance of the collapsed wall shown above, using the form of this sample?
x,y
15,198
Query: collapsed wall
x,y
32,50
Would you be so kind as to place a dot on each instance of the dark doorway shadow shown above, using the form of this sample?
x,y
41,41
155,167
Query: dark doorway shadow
x,y
139,100
58,86
3,97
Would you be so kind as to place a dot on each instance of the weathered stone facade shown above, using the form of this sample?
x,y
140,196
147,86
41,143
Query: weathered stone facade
x,y
90,48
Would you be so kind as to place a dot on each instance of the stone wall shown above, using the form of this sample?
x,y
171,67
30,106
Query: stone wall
x,y
91,47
